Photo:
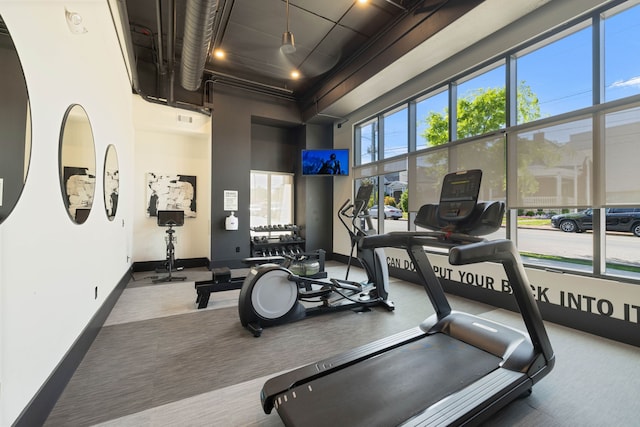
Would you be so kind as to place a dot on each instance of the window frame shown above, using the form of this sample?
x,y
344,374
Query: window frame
x,y
596,112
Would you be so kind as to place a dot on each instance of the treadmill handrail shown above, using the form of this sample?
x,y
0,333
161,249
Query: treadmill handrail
x,y
465,249
505,252
414,242
406,239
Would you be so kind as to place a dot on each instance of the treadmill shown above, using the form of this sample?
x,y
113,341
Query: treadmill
x,y
454,368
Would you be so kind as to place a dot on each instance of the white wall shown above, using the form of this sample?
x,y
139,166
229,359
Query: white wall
x,y
50,266
166,145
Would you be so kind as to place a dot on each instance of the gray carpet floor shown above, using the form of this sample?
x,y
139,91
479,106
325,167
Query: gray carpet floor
x,y
159,361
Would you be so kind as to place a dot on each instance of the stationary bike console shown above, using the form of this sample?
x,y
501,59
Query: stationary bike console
x,y
170,218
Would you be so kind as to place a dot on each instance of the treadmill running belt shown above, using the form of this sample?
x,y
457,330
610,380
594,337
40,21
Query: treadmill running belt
x,y
388,389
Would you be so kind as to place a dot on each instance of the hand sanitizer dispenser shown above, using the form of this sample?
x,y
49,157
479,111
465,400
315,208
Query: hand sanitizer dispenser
x,y
231,222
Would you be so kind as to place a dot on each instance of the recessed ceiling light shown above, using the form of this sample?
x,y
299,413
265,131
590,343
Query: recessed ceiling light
x,y
363,1
219,53
295,74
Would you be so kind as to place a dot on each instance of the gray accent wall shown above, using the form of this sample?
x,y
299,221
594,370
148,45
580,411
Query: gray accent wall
x,y
274,148
314,194
251,132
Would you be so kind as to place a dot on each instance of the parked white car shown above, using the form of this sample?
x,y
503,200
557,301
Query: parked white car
x,y
389,212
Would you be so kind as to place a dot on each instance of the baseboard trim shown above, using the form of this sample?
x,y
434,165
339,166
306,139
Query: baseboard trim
x,y
40,406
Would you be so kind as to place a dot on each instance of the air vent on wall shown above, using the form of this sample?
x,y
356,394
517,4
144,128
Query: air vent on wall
x,y
185,119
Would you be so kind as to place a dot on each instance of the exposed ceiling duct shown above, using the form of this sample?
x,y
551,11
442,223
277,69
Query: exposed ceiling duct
x,y
341,45
198,30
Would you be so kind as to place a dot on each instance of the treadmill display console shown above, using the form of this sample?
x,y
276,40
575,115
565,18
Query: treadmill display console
x,y
459,194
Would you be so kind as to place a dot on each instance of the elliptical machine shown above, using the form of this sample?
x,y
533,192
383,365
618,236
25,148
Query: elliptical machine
x,y
272,295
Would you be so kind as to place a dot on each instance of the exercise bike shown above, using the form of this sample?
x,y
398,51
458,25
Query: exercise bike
x,y
170,219
273,295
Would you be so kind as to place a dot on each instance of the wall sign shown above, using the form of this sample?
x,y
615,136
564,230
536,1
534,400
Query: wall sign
x,y
230,200
607,298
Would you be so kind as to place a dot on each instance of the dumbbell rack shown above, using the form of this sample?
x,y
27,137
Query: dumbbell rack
x,y
274,240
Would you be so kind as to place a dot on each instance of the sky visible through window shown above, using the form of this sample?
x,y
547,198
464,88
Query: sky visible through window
x,y
622,50
559,74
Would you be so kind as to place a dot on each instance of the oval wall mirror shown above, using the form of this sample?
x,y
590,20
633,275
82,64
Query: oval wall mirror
x,y
77,163
15,125
111,182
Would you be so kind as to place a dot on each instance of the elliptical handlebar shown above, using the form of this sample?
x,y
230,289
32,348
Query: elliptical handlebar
x,y
352,211
343,212
344,208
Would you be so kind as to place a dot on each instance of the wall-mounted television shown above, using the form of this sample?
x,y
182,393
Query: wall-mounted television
x,y
325,162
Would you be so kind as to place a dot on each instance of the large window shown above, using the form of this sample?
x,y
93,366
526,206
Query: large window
x,y
395,133
395,202
622,217
556,75
564,164
554,165
481,103
622,149
622,223
621,47
543,244
271,200
432,120
367,142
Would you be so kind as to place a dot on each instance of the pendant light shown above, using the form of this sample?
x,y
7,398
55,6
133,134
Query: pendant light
x,y
288,45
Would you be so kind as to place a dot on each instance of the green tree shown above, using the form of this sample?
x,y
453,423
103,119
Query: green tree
x,y
482,111
404,201
479,112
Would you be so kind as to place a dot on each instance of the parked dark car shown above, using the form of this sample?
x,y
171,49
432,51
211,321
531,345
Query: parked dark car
x,y
617,219
389,212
